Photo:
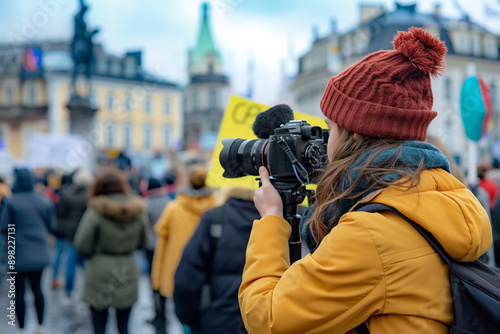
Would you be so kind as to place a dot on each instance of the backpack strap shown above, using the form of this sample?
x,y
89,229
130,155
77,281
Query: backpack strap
x,y
215,229
362,329
216,226
377,207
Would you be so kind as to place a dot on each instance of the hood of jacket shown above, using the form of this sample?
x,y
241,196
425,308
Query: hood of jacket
x,y
196,201
236,192
444,207
119,207
24,181
239,208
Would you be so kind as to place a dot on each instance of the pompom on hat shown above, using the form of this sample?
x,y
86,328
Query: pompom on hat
x,y
388,93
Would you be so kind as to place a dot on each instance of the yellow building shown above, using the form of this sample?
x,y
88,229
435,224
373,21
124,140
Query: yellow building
x,y
137,112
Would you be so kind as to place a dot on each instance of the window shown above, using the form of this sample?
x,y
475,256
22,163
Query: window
x,y
116,68
15,63
10,62
3,137
447,89
167,106
8,94
212,98
110,104
128,102
31,94
148,134
166,136
147,105
210,68
347,48
109,134
127,135
130,68
475,45
490,49
93,98
493,94
195,100
461,44
27,132
102,65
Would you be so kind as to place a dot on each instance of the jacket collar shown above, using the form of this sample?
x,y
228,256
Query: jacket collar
x,y
118,206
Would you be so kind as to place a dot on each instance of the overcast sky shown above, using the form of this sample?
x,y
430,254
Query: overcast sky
x,y
165,29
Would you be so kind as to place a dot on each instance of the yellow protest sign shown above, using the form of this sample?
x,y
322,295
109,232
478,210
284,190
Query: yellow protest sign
x,y
237,123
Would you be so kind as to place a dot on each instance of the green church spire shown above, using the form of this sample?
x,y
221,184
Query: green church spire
x,y
205,45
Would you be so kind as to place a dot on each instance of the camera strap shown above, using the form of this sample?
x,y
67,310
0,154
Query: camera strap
x,y
297,167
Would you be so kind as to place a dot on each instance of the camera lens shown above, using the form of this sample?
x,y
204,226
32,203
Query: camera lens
x,y
242,157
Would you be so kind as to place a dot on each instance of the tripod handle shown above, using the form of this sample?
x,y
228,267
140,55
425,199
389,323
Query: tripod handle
x,y
291,193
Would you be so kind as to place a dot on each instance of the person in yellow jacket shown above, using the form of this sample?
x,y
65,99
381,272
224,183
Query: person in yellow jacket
x,y
371,269
174,229
4,189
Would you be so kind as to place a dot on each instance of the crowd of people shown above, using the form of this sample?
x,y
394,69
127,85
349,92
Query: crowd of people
x,y
99,221
221,256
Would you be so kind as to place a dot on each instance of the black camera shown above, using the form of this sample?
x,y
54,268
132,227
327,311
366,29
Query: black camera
x,y
296,151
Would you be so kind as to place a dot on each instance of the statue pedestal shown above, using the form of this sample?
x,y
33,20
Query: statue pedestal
x,y
81,116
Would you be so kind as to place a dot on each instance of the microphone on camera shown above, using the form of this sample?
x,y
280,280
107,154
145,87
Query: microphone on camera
x,y
272,118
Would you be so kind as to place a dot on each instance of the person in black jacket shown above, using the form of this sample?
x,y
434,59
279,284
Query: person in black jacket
x,y
61,246
30,218
209,274
70,209
495,225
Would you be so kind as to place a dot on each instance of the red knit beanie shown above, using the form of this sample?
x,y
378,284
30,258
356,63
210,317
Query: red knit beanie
x,y
388,93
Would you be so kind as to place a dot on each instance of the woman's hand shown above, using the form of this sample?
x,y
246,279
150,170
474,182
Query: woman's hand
x,y
267,199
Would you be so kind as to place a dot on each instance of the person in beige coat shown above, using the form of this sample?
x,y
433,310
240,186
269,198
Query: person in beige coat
x,y
173,230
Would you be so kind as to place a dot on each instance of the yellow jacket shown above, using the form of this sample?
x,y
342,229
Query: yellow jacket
x,y
4,190
371,265
174,229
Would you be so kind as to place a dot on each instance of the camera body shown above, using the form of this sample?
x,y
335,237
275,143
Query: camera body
x,y
296,151
305,142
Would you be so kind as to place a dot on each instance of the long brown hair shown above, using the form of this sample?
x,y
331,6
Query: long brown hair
x,y
347,150
111,181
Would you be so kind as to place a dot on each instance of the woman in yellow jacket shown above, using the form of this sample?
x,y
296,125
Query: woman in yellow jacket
x,y
371,268
174,229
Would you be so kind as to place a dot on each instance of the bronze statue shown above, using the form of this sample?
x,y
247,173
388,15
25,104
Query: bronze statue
x,y
82,48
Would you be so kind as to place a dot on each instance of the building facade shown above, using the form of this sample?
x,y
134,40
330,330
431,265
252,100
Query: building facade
x,y
137,112
466,42
207,92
